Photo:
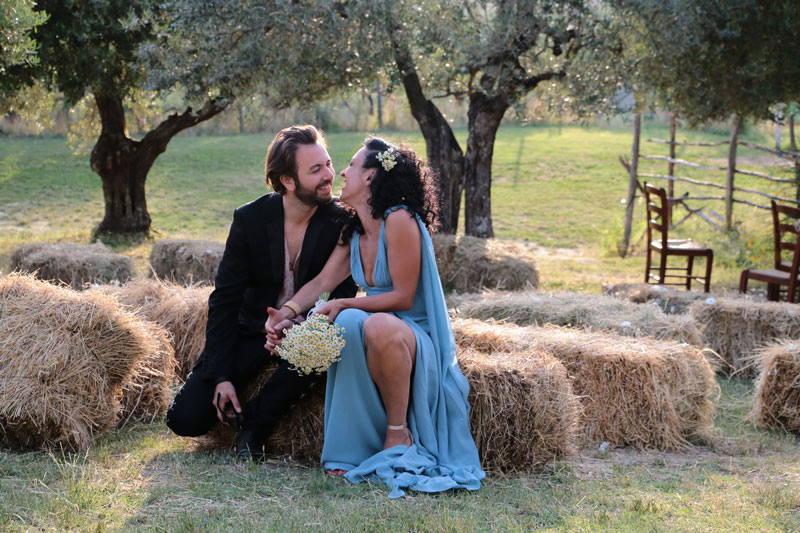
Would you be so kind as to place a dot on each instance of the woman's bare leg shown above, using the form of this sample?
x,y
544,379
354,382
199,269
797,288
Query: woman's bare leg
x,y
391,353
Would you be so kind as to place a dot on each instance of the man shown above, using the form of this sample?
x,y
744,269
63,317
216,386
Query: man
x,y
276,244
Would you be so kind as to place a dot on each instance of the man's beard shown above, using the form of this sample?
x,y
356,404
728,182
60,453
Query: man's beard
x,y
309,196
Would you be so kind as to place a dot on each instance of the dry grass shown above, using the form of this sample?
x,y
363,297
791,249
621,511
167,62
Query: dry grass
x,y
586,311
641,392
470,264
524,412
185,261
736,328
669,300
75,265
776,403
146,395
64,359
182,311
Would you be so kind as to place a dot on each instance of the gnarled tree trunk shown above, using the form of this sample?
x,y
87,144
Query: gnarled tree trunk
x,y
445,156
123,163
485,114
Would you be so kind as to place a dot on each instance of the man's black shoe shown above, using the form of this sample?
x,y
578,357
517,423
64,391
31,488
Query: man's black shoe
x,y
249,446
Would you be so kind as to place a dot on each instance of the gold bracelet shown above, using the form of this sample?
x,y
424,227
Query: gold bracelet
x,y
293,306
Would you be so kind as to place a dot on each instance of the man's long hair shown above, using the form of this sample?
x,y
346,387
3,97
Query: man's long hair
x,y
282,150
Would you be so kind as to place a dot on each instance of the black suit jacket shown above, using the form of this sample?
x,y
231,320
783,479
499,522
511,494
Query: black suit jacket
x,y
250,275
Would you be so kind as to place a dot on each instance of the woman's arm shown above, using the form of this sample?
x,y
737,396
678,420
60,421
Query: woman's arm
x,y
404,251
335,271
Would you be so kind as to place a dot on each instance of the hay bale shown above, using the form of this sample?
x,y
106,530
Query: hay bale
x,y
776,403
186,261
75,265
524,412
64,360
470,264
641,392
146,393
735,328
586,311
182,311
668,300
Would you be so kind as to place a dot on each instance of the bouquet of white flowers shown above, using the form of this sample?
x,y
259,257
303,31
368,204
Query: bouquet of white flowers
x,y
312,346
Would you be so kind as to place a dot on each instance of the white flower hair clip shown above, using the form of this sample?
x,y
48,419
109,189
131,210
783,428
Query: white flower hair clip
x,y
388,159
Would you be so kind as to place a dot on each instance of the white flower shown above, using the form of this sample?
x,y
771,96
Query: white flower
x,y
312,346
711,301
626,324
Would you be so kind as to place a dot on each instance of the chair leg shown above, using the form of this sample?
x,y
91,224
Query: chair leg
x,y
689,266
773,292
647,265
743,281
662,268
709,264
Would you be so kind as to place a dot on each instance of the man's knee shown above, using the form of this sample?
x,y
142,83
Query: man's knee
x,y
189,415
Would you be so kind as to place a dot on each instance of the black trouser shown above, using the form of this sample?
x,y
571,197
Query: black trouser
x,y
192,412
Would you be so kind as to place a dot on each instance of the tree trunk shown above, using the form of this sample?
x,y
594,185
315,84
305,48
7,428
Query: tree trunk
x,y
485,114
123,163
793,147
115,158
445,156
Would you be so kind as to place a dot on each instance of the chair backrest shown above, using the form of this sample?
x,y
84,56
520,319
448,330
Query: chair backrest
x,y
785,232
657,212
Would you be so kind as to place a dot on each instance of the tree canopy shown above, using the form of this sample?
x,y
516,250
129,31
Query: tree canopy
x,y
708,59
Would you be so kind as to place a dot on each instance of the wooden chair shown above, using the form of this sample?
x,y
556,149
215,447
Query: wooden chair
x,y
658,221
783,273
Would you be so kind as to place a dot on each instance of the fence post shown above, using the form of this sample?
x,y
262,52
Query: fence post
x,y
671,168
793,144
632,182
737,123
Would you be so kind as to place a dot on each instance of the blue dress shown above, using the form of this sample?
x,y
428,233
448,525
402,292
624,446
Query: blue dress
x,y
443,455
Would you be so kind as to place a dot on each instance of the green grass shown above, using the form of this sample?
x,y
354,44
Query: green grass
x,y
145,479
558,188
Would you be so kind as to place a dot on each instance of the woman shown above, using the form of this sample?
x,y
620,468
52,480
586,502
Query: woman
x,y
396,403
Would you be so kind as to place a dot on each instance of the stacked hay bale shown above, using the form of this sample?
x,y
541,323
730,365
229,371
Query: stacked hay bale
x,y
777,399
182,311
641,392
586,311
669,300
66,360
73,264
735,328
186,261
524,413
469,264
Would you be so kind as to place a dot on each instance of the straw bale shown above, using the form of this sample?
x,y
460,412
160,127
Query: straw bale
x,y
182,311
776,403
186,261
146,393
470,264
641,392
669,300
64,358
735,328
75,265
586,311
523,413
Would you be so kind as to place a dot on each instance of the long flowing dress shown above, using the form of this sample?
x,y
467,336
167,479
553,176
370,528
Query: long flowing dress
x,y
443,455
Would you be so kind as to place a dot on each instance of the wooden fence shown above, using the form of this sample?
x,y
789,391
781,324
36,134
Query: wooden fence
x,y
727,189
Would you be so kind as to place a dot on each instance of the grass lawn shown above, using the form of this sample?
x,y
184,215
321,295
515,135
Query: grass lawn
x,y
556,188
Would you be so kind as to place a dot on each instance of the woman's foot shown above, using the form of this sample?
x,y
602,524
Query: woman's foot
x,y
336,473
397,436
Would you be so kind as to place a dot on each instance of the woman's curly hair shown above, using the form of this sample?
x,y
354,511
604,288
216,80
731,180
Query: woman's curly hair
x,y
410,182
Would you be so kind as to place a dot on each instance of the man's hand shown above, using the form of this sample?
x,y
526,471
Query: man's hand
x,y
226,402
274,327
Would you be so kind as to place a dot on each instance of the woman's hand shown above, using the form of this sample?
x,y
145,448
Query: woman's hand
x,y
332,309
